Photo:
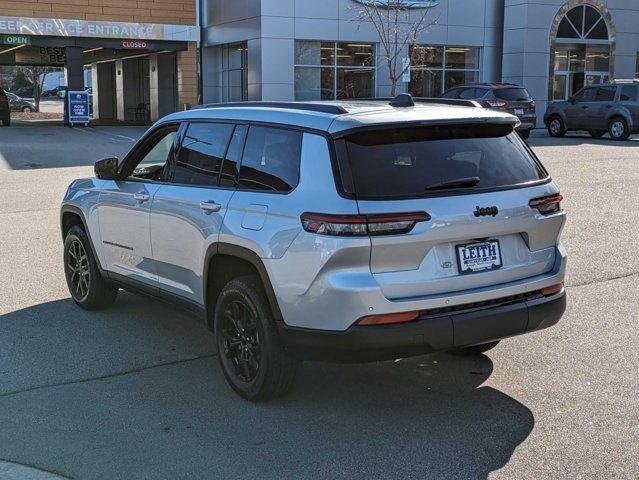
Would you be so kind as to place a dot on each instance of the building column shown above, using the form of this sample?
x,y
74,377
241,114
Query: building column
x,y
74,69
187,77
119,90
95,85
154,89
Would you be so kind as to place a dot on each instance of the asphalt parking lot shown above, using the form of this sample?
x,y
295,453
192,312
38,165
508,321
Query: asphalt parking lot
x,y
136,392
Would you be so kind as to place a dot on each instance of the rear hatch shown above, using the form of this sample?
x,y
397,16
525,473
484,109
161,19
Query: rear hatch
x,y
475,182
517,101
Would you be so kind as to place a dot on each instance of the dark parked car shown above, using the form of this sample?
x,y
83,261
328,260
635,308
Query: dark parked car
x,y
506,97
609,107
19,104
5,113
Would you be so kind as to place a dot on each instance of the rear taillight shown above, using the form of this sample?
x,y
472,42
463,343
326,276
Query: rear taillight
x,y
547,205
493,103
388,319
359,225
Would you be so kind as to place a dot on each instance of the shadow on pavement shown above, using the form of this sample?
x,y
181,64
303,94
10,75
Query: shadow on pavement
x,y
426,417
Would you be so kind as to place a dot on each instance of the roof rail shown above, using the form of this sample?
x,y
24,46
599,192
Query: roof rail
x,y
448,101
402,100
309,107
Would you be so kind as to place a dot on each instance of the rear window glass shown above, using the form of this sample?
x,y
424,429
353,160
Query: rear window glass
x,y
629,93
415,162
512,94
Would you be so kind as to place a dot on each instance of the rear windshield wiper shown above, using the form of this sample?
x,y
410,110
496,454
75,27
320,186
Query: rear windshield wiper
x,y
466,182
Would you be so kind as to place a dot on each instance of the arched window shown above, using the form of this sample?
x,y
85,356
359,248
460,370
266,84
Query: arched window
x,y
584,23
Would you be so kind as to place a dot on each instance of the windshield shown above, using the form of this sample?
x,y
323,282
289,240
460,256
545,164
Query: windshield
x,y
414,162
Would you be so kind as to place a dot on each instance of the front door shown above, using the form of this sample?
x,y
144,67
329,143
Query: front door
x,y
125,205
188,211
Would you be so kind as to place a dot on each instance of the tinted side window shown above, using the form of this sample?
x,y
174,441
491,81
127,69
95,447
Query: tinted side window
x,y
271,159
606,94
154,163
200,158
454,93
586,95
232,160
468,94
629,93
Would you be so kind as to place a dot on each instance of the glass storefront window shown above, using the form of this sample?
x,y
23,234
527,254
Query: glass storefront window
x,y
314,83
329,70
561,60
559,87
463,58
354,83
427,56
233,83
598,58
435,69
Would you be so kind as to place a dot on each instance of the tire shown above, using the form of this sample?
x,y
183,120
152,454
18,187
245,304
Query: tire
x,y
6,121
524,134
27,109
87,287
556,127
618,129
479,349
251,356
596,133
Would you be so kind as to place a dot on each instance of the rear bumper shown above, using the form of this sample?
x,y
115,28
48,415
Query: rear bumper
x,y
431,332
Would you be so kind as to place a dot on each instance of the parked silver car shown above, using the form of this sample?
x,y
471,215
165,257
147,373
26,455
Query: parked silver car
x,y
610,107
342,231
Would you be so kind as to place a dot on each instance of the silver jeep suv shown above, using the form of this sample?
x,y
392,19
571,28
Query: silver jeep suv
x,y
343,231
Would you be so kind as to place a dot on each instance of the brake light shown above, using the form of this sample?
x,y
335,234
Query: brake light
x,y
552,290
388,319
547,205
493,103
360,225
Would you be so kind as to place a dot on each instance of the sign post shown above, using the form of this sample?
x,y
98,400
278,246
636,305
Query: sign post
x,y
406,70
78,108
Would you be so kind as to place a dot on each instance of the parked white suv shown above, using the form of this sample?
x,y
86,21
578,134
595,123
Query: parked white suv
x,y
344,231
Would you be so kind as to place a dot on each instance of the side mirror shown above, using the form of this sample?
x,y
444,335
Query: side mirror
x,y
572,100
106,169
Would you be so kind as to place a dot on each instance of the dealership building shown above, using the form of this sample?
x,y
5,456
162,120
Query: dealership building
x,y
311,50
138,56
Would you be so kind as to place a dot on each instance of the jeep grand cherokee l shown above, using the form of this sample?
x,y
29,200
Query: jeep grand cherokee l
x,y
343,231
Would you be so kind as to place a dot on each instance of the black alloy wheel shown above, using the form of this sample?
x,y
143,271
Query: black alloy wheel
x,y
240,340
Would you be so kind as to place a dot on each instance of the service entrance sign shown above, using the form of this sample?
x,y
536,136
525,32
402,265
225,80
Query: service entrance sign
x,y
78,104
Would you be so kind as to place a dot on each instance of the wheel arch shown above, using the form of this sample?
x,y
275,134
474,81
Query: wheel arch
x,y
232,261
70,216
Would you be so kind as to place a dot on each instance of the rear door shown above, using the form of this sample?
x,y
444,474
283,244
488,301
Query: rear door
x,y
602,107
408,170
188,211
578,113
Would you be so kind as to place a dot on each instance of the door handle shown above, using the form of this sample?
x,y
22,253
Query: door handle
x,y
210,207
141,197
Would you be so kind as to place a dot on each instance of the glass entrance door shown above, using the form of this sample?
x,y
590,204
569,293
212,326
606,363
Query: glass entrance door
x,y
577,66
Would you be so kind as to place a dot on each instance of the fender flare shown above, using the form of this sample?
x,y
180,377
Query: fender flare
x,y
67,208
249,256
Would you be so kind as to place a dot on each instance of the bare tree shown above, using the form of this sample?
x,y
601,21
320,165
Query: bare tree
x,y
36,75
397,29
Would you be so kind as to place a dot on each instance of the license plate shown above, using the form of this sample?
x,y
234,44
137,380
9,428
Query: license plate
x,y
478,257
519,111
